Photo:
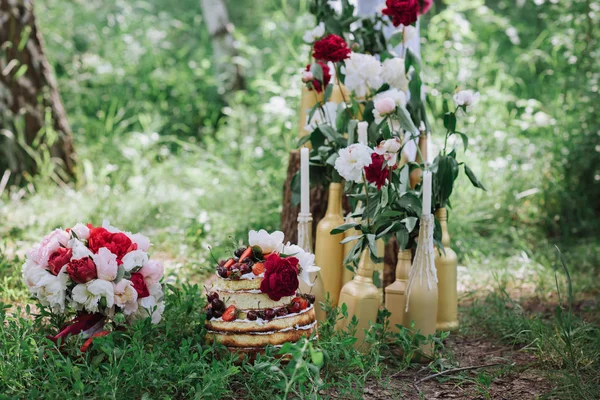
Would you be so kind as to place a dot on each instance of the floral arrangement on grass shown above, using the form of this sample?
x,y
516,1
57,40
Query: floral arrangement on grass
x,y
97,272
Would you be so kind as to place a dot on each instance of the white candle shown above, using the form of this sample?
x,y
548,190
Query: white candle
x,y
426,193
363,132
304,182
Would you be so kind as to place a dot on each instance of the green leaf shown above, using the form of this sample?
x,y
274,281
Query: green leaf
x,y
351,239
312,112
410,223
352,125
328,131
328,91
317,71
412,60
316,356
303,140
344,228
372,244
402,239
473,178
450,121
331,159
20,72
465,139
395,39
406,122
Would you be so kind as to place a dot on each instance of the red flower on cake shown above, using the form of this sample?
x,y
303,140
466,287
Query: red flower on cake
x,y
59,259
331,48
377,172
281,277
317,84
118,243
139,284
82,270
402,12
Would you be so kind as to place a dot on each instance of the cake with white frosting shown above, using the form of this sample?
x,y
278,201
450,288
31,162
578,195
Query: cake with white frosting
x,y
255,300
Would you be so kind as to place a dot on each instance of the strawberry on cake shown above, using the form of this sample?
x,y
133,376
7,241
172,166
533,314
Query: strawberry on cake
x,y
255,301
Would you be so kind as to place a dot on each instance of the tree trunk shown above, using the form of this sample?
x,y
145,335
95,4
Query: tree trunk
x,y
216,18
32,116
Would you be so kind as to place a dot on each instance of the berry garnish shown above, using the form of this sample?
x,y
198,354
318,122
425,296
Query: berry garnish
x,y
217,305
281,312
230,314
310,298
301,301
252,315
269,313
217,313
235,274
260,314
245,268
258,268
293,308
247,253
229,263
222,262
239,251
211,296
222,271
209,313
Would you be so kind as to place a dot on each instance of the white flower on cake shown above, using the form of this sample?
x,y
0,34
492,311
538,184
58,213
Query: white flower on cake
x,y
106,264
305,260
363,74
89,294
352,160
126,296
134,259
392,72
466,98
311,35
268,242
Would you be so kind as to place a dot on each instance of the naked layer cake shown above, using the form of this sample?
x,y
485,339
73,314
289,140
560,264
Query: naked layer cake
x,y
255,301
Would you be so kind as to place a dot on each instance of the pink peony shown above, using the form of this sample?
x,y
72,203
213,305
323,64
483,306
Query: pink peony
x,y
386,105
152,272
41,252
106,264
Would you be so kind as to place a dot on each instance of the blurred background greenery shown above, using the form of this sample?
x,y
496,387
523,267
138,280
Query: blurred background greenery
x,y
164,150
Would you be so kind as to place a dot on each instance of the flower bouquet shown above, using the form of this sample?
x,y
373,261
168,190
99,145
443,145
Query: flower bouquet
x,y
98,272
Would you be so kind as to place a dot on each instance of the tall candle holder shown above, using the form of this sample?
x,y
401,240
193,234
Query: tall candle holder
x,y
305,242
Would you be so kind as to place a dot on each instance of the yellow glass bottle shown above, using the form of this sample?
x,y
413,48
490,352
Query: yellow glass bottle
x,y
446,265
305,242
395,294
329,252
362,299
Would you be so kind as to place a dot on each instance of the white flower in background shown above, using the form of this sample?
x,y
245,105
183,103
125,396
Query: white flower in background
x,y
152,272
363,74
392,73
79,249
306,261
352,160
466,98
126,296
88,295
82,231
398,96
385,106
326,115
389,149
363,132
106,264
311,35
41,252
268,242
50,290
307,76
134,259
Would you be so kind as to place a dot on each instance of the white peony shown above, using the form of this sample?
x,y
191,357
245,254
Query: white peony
x,y
82,231
398,96
150,306
88,295
266,241
389,150
106,225
50,290
106,264
466,98
126,296
363,74
385,106
134,259
306,261
363,132
143,243
307,76
311,35
79,249
393,73
352,160
152,272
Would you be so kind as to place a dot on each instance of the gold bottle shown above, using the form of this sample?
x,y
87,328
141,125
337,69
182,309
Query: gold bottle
x,y
305,242
379,268
362,299
421,291
329,252
446,264
395,294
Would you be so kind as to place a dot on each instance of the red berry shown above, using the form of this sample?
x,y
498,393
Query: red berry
x,y
252,315
269,313
217,305
281,312
294,308
310,298
230,314
211,296
222,271
301,301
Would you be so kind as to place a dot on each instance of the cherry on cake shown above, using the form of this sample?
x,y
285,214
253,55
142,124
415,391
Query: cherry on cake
x,y
255,301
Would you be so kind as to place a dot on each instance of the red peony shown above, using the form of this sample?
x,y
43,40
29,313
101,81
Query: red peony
x,y
59,259
118,243
402,12
82,270
139,285
326,77
331,48
281,277
377,172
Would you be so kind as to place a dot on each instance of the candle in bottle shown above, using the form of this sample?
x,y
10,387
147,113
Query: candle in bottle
x,y
304,182
427,193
